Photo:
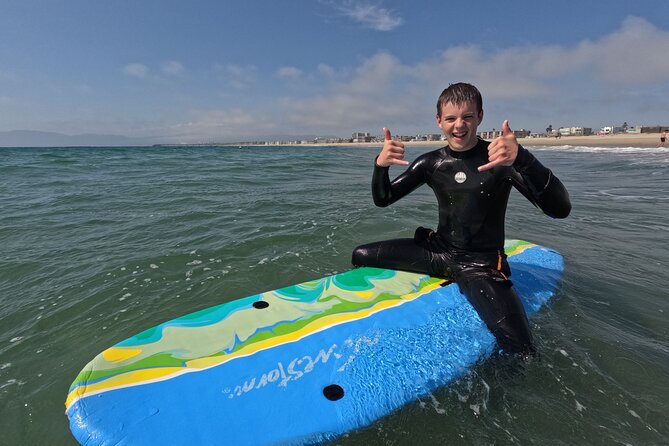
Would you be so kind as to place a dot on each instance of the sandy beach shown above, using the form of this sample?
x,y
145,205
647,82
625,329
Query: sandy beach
x,y
643,140
621,140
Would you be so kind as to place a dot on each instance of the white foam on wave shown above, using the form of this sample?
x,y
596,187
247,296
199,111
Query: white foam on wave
x,y
635,198
11,382
603,149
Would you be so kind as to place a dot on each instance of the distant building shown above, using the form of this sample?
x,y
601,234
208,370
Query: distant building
x,y
362,137
575,131
492,134
654,129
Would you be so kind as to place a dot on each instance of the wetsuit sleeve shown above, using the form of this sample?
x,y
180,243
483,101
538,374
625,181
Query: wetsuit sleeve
x,y
386,192
538,184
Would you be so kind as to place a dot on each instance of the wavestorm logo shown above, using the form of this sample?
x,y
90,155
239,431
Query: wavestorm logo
x,y
460,177
295,370
281,375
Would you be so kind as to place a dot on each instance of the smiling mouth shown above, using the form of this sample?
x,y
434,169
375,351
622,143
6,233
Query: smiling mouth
x,y
459,134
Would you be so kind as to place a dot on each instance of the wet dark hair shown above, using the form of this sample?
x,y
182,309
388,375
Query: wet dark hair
x,y
460,94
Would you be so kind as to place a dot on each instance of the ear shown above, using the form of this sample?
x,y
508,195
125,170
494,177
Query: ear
x,y
438,119
480,117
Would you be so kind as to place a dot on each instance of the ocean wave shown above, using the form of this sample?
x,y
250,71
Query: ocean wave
x,y
586,149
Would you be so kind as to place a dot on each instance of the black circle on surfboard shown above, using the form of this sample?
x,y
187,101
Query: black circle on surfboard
x,y
260,304
333,392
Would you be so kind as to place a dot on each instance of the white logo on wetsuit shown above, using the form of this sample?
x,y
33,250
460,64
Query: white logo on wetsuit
x,y
460,177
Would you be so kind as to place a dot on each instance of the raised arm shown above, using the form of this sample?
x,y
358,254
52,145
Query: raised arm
x,y
385,192
536,181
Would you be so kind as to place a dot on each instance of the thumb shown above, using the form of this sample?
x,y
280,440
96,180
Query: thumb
x,y
386,134
506,129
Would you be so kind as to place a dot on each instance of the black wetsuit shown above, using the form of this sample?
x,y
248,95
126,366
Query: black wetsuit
x,y
468,245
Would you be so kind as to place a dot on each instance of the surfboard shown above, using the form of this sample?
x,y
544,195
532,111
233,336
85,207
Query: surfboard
x,y
297,365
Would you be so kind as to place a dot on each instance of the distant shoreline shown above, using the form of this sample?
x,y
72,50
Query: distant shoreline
x,y
641,140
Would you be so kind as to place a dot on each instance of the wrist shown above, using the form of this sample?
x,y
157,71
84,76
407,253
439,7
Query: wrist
x,y
523,159
381,165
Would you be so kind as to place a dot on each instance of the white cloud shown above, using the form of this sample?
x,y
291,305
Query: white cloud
x,y
357,103
137,70
222,126
172,68
369,15
637,53
631,56
595,80
326,70
578,81
366,99
289,72
507,74
239,77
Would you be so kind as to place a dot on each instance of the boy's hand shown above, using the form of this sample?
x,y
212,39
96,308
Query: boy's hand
x,y
392,152
503,150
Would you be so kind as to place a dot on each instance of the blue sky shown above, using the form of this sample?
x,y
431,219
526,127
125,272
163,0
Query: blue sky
x,y
197,71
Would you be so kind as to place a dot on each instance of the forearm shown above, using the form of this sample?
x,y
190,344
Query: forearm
x,y
547,190
386,192
381,189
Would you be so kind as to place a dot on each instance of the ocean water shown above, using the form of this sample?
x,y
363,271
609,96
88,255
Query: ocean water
x,y
97,244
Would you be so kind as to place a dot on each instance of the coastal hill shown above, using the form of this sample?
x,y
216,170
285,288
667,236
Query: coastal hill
x,y
32,138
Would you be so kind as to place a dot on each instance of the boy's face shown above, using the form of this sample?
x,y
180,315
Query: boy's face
x,y
459,124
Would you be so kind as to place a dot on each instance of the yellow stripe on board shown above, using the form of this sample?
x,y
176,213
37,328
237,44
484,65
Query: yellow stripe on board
x,y
127,379
116,354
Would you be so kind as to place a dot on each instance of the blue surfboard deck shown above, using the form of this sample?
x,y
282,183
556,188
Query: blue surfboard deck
x,y
298,365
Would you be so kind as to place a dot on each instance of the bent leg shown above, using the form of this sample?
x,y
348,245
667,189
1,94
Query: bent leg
x,y
500,308
400,254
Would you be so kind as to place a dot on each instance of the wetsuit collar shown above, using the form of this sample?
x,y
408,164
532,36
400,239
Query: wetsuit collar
x,y
466,153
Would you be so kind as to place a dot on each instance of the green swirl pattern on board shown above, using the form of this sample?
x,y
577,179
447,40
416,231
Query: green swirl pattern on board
x,y
231,327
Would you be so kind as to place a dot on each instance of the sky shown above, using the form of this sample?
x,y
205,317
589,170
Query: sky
x,y
222,71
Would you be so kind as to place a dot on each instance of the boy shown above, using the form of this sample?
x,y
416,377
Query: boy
x,y
471,179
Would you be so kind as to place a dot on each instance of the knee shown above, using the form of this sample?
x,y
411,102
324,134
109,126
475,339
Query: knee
x,y
360,256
